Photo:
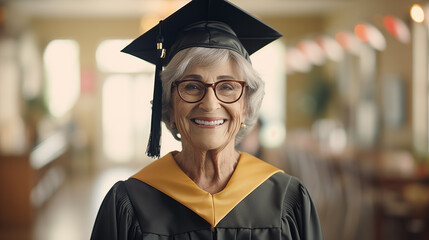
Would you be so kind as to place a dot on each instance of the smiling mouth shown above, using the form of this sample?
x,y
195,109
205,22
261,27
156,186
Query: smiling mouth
x,y
208,123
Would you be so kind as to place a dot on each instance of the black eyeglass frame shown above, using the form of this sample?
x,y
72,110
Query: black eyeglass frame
x,y
211,85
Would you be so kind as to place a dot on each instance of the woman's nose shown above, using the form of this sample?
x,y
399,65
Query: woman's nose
x,y
210,101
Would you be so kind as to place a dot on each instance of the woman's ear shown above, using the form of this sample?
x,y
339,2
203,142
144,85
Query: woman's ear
x,y
171,116
171,111
244,112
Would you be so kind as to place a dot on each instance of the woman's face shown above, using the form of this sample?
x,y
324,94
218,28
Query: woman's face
x,y
209,124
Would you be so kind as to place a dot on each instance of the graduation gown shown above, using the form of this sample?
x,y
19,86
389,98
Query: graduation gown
x,y
162,203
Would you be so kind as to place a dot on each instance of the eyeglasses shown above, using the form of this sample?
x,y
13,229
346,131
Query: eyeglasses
x,y
226,91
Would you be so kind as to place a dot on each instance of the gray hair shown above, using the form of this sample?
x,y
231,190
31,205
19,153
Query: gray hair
x,y
191,57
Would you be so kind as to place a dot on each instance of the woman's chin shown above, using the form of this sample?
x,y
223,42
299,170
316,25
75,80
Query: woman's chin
x,y
208,144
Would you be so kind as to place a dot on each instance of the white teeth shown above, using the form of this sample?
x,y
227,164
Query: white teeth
x,y
209,123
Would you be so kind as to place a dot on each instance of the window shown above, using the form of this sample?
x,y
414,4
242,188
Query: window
x,y
61,59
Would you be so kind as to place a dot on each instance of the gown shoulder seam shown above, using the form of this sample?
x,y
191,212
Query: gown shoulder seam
x,y
129,207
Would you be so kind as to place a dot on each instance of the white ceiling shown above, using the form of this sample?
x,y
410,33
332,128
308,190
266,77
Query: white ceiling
x,y
136,8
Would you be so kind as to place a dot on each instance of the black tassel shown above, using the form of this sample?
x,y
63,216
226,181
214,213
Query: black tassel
x,y
154,147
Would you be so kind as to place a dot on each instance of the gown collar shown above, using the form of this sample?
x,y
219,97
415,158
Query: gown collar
x,y
165,175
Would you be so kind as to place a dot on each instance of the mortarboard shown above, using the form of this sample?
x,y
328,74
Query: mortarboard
x,y
200,23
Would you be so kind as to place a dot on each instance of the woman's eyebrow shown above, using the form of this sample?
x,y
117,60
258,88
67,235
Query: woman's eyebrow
x,y
193,76
199,77
227,77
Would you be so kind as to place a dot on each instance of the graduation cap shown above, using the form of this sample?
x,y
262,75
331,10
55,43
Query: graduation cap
x,y
200,23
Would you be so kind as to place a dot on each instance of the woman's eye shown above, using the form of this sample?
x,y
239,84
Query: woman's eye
x,y
192,86
226,86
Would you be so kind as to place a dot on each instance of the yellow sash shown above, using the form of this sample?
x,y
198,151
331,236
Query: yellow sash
x,y
165,175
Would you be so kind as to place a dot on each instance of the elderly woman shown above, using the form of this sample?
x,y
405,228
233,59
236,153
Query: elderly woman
x,y
210,98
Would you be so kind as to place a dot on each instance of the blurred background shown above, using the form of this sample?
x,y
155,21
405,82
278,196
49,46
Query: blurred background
x,y
346,110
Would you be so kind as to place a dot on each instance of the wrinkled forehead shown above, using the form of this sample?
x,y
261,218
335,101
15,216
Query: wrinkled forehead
x,y
206,57
222,67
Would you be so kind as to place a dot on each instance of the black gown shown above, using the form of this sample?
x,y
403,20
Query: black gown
x,y
161,202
